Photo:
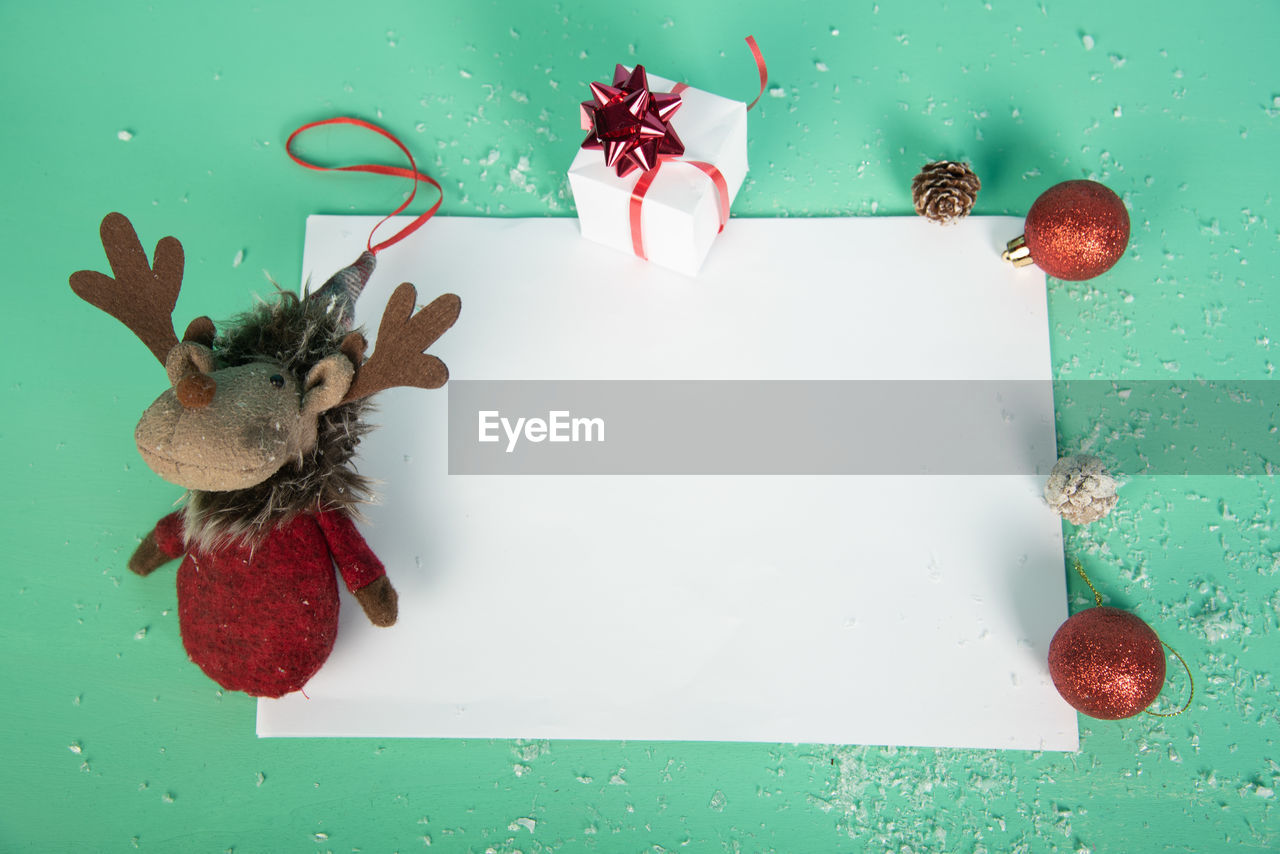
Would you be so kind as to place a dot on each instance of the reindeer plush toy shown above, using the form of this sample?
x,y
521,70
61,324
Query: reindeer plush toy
x,y
260,424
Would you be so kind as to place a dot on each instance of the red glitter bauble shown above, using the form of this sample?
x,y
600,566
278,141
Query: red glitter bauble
x,y
1077,230
1106,663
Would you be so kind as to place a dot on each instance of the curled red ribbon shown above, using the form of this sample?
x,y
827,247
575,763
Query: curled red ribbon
x,y
376,169
641,188
760,66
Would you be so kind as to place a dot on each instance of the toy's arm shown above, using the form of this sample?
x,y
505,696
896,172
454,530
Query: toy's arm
x,y
361,570
160,546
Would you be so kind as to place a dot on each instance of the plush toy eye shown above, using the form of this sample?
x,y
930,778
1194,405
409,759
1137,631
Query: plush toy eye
x,y
277,381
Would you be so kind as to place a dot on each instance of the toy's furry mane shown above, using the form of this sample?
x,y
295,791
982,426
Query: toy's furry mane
x,y
295,334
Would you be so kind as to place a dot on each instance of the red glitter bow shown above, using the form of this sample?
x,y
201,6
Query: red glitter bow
x,y
631,124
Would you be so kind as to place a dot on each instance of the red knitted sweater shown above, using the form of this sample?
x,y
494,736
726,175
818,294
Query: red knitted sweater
x,y
263,620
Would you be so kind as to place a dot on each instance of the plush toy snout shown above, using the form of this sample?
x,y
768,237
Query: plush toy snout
x,y
228,429
232,428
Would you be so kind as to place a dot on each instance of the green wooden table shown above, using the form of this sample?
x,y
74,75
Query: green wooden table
x,y
176,114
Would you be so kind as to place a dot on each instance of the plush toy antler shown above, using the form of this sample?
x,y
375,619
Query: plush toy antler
x,y
260,424
141,296
400,359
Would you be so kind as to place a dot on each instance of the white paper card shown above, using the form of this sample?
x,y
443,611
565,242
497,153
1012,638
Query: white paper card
x,y
902,610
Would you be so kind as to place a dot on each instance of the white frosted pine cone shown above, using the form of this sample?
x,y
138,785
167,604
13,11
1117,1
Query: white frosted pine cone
x,y
1080,489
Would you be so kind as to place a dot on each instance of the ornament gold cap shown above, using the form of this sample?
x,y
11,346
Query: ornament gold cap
x,y
1017,253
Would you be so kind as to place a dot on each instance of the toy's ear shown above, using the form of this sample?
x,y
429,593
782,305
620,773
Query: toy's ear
x,y
327,384
186,357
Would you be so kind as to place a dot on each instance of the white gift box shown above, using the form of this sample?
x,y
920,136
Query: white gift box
x,y
680,216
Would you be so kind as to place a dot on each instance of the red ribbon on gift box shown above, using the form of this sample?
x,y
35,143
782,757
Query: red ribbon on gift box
x,y
631,124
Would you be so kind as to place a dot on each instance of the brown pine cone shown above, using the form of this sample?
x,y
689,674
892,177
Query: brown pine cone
x,y
945,191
